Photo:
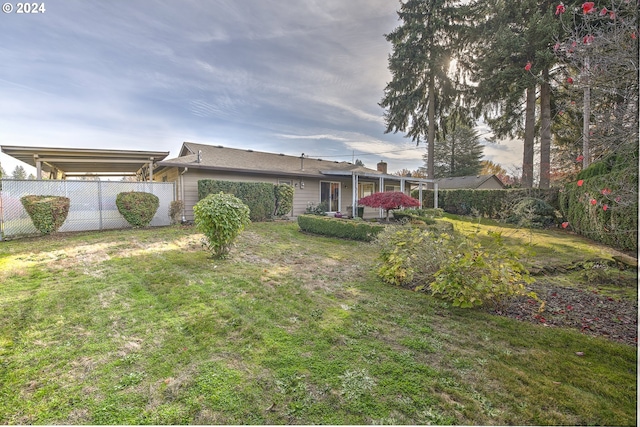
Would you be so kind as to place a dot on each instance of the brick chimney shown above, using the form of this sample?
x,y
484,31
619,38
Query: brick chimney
x,y
382,167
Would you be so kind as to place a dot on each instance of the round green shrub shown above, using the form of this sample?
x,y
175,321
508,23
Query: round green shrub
x,y
48,213
532,213
138,208
221,218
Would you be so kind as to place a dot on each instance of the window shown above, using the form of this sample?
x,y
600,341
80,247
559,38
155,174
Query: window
x,y
330,195
391,188
285,181
365,189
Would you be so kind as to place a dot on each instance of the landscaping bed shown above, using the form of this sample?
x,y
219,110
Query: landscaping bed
x,y
588,311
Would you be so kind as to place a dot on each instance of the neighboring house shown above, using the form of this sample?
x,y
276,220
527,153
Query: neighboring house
x,y
474,182
337,184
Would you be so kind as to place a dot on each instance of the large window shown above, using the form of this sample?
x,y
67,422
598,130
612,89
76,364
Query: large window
x,y
391,187
330,195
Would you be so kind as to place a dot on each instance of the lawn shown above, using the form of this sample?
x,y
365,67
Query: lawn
x,y
142,327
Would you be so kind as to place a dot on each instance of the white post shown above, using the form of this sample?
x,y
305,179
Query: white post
x,y
435,195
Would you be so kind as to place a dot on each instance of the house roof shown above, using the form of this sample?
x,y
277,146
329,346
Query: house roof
x,y
83,160
201,156
472,182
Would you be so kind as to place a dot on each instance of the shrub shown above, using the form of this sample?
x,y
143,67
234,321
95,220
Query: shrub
x,y
603,204
477,276
175,211
339,227
258,196
389,200
409,256
48,213
495,204
221,217
532,213
320,209
284,199
414,214
138,208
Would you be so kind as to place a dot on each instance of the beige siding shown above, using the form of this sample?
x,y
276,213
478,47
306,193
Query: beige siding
x,y
303,195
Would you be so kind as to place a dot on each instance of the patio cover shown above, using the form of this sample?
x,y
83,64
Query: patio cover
x,y
84,161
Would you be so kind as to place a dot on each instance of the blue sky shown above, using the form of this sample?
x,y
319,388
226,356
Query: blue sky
x,y
286,76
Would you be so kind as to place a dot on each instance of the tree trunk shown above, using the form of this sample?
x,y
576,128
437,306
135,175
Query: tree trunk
x,y
545,131
431,127
586,155
529,134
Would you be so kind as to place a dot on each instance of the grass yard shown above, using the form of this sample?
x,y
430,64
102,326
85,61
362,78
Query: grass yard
x,y
142,327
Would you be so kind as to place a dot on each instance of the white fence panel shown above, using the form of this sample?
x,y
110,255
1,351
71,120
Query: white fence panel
x,y
93,204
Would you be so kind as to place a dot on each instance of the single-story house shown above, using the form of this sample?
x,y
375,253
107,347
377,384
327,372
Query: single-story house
x,y
337,184
473,182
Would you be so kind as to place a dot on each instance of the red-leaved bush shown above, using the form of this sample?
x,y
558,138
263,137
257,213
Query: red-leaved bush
x,y
389,200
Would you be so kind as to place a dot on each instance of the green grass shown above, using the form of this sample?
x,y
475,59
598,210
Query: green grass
x,y
143,327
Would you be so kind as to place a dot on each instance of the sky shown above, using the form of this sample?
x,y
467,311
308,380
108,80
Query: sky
x,y
285,76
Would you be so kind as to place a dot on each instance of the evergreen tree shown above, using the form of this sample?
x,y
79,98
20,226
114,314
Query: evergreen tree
x,y
19,173
458,153
422,91
511,37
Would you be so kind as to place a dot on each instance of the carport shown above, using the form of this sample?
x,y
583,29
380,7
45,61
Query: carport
x,y
63,163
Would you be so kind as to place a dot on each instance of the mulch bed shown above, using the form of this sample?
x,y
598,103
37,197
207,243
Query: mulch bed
x,y
588,311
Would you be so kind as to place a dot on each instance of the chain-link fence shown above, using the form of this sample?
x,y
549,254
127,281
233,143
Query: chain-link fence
x,y
93,204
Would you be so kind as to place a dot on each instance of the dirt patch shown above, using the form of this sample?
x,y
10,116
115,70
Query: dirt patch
x,y
587,311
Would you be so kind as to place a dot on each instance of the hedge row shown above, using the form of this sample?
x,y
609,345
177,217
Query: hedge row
x,y
496,204
339,227
263,199
604,207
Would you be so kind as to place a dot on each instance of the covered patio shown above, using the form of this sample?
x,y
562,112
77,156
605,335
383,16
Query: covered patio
x,y
406,183
63,163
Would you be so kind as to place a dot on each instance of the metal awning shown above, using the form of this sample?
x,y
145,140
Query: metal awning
x,y
83,161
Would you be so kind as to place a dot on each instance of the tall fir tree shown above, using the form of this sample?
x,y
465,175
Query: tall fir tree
x,y
458,153
511,57
422,91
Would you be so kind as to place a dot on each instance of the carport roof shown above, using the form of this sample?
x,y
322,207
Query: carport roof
x,y
84,160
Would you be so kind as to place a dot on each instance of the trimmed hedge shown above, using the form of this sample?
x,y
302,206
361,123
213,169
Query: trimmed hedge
x,y
137,207
604,207
48,213
339,227
495,204
258,196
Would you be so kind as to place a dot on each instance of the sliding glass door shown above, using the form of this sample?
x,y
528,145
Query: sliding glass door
x,y
330,195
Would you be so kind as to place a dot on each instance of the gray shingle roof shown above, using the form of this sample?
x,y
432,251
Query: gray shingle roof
x,y
473,181
234,159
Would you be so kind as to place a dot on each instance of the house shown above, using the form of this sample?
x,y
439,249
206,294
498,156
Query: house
x,y
473,182
339,185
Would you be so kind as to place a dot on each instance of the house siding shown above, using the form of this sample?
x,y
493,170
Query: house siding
x,y
302,198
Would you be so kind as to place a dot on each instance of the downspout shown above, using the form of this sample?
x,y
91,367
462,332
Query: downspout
x,y
184,205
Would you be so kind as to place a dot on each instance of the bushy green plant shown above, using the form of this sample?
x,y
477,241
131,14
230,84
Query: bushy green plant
x,y
481,276
409,256
137,207
175,211
48,213
339,227
320,209
532,213
284,199
495,204
603,204
258,196
221,218
414,214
